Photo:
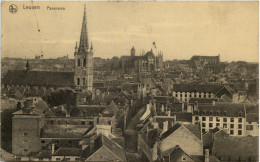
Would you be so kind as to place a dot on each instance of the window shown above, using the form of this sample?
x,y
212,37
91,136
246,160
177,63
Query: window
x,y
209,95
25,150
67,159
57,141
224,125
199,95
203,130
211,113
57,159
203,124
181,95
231,132
176,95
77,159
217,119
231,125
90,122
84,81
218,113
52,122
185,94
205,95
195,95
240,120
210,118
210,125
185,107
78,62
183,158
78,81
42,141
239,126
83,122
190,95
240,113
204,112
232,120
196,118
41,159
224,119
249,127
84,62
217,124
69,142
239,132
25,134
59,122
203,118
225,113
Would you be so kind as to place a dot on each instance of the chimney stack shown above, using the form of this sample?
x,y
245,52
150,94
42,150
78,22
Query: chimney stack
x,y
206,155
52,148
165,126
213,103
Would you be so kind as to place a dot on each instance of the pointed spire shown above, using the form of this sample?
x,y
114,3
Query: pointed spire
x,y
83,44
27,65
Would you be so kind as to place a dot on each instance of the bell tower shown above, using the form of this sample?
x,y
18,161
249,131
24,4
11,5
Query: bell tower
x,y
83,70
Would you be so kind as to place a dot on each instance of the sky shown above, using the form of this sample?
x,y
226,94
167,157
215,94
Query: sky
x,y
179,29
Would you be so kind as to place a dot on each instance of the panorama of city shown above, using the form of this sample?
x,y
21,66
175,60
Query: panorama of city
x,y
134,107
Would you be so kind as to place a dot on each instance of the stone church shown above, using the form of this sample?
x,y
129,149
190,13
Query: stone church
x,y
144,63
81,78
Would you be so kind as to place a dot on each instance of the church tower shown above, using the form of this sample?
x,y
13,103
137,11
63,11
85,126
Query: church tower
x,y
83,71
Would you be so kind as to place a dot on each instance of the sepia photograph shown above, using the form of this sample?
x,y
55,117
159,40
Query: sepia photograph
x,y
130,81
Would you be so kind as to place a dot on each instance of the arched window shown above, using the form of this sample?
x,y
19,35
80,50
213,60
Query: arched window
x,y
78,81
78,62
84,62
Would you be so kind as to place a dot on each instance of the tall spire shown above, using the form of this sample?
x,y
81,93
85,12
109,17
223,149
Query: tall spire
x,y
83,44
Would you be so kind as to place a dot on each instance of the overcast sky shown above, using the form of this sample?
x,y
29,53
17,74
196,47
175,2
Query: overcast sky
x,y
180,29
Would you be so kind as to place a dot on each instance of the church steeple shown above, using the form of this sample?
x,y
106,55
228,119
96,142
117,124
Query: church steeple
x,y
83,44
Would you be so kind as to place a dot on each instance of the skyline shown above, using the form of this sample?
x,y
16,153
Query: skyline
x,y
201,28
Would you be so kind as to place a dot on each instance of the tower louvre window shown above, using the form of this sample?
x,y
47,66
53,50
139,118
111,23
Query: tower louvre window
x,y
84,62
84,81
78,81
78,62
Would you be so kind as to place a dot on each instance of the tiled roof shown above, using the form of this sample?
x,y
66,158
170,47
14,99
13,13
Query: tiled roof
x,y
221,109
183,116
67,152
63,131
235,148
203,100
196,88
44,154
43,78
193,128
252,117
111,145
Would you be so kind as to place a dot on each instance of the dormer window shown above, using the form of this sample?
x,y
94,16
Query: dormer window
x,y
218,113
211,112
204,112
239,113
225,113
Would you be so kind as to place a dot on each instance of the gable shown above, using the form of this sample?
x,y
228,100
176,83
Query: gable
x,y
103,154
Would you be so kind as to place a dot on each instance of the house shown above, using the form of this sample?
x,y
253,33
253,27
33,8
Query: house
x,y
186,136
252,124
67,154
186,91
106,149
236,148
230,117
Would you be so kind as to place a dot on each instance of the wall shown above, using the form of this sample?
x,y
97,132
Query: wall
x,y
185,139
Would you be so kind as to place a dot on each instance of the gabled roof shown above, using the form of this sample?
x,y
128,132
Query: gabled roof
x,y
44,154
197,88
252,117
193,128
111,145
38,78
175,153
235,148
67,152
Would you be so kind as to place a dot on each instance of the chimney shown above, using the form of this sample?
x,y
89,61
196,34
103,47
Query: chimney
x,y
162,109
28,103
206,155
182,106
52,148
165,126
213,103
169,112
155,151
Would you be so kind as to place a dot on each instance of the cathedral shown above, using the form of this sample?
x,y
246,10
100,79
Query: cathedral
x,y
81,78
144,63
